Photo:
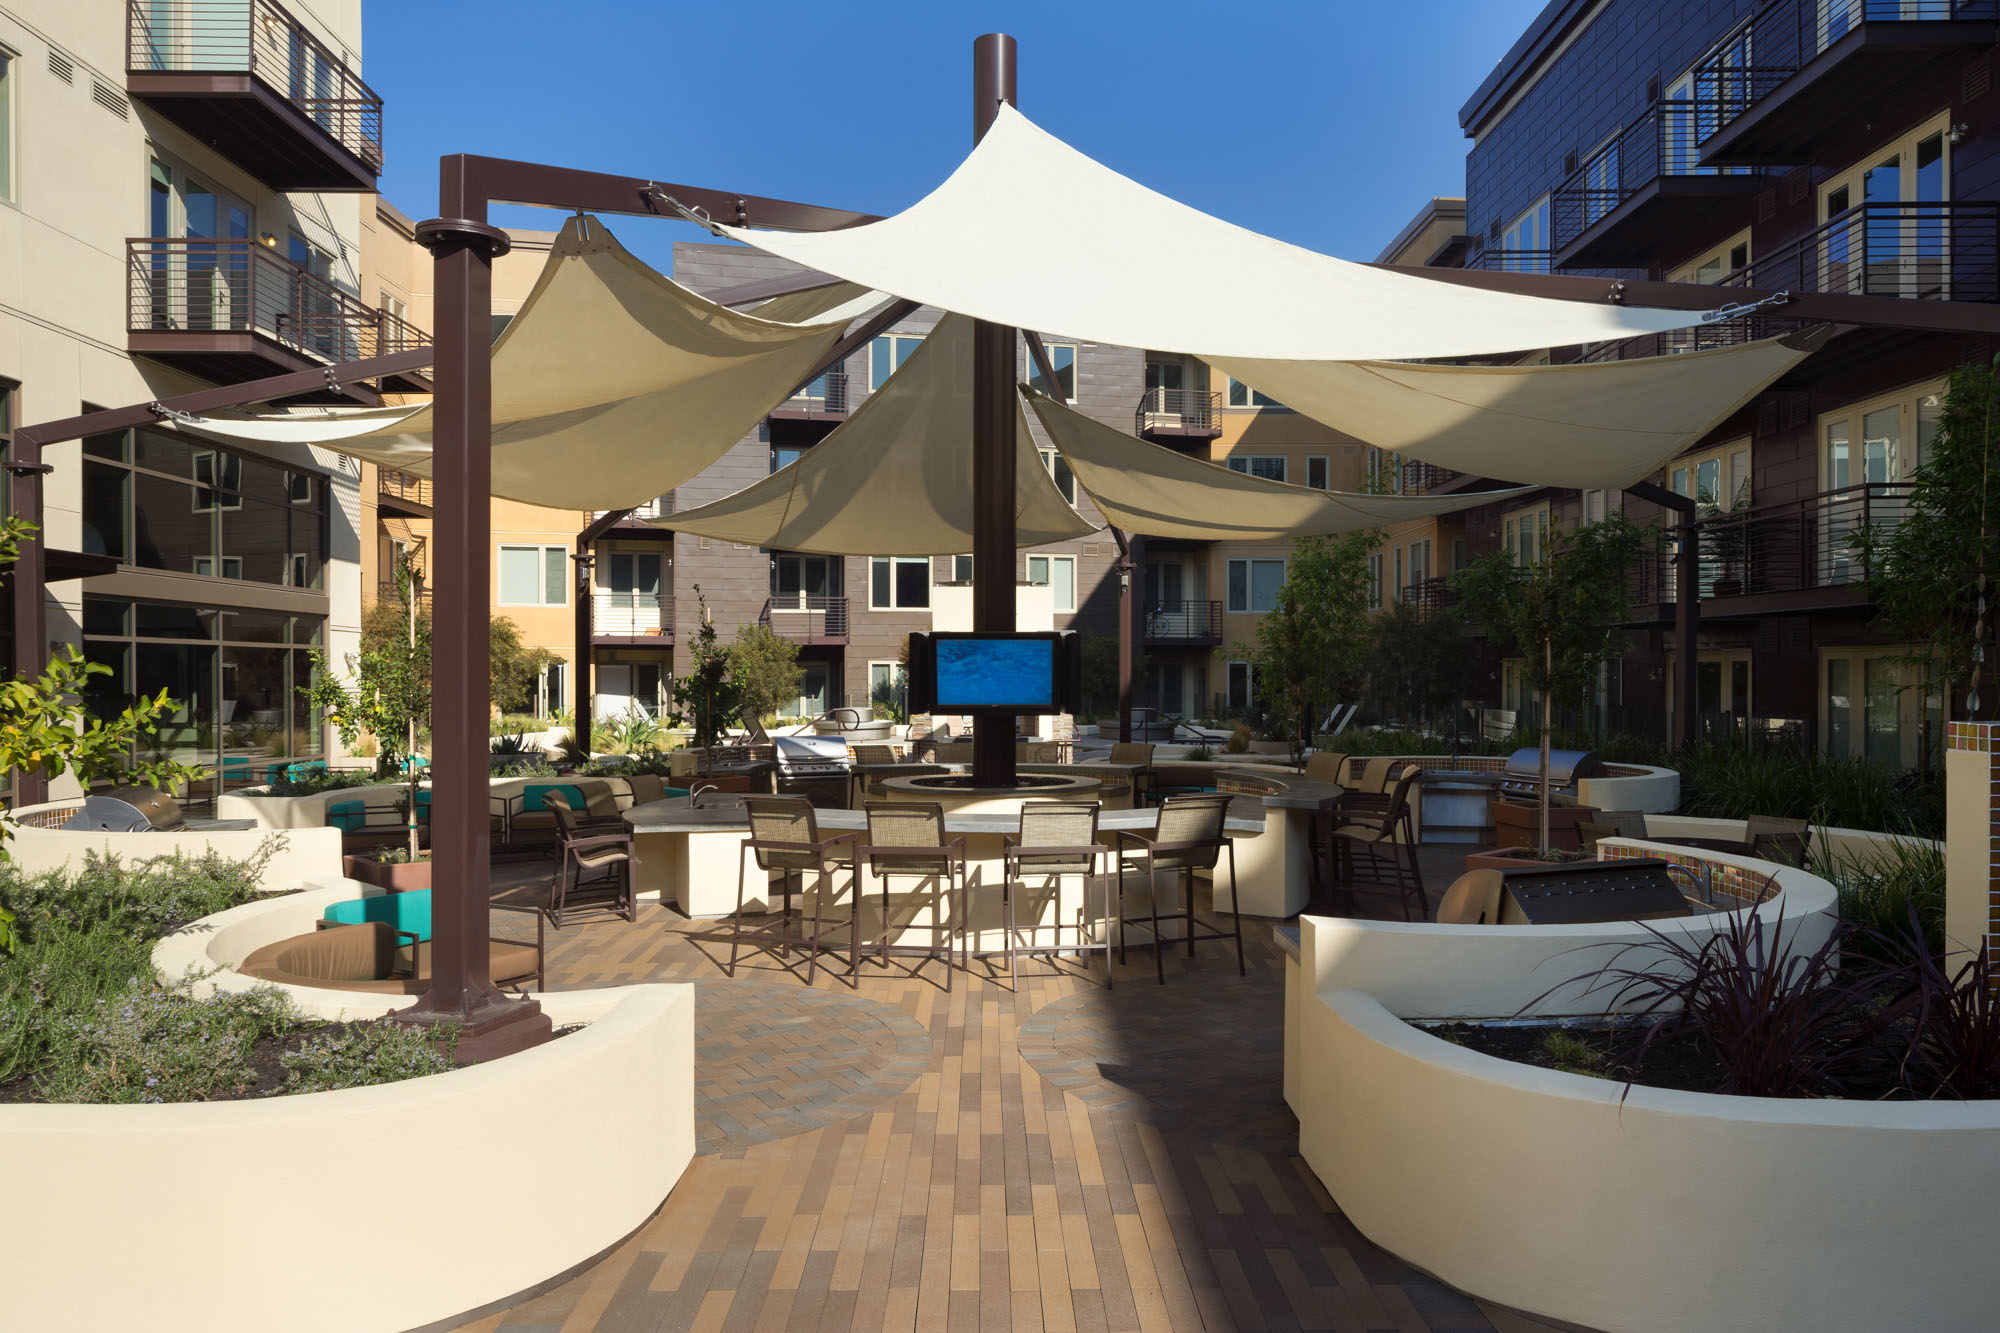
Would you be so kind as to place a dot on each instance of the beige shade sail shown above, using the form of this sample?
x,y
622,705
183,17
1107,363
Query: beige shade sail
x,y
1596,425
1149,489
896,477
1029,232
612,386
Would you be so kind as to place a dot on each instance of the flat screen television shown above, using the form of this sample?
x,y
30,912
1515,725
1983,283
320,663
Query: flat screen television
x,y
957,672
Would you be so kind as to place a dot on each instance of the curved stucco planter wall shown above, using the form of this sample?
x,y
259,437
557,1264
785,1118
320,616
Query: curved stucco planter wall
x,y
1426,970
1661,1212
320,1213
303,852
1643,787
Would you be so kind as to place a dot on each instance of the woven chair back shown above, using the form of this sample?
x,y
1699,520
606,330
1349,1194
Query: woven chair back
x,y
1196,818
1058,824
781,819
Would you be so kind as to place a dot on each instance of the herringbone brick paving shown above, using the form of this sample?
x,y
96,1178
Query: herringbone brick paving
x,y
889,1156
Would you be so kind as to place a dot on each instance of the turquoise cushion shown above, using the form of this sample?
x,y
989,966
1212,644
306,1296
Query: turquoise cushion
x,y
668,793
403,911
347,815
534,796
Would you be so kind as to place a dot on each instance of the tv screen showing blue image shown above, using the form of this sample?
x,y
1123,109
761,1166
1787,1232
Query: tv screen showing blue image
x,y
996,673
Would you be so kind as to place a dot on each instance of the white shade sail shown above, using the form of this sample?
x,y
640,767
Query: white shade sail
x,y
896,477
612,386
1596,425
1149,489
1030,232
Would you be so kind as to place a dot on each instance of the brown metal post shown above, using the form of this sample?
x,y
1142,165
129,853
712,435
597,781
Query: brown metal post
x,y
993,443
579,670
462,989
1687,601
31,633
1126,598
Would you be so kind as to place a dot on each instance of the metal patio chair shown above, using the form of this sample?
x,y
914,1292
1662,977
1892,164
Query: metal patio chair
x,y
786,843
1188,837
1057,838
908,839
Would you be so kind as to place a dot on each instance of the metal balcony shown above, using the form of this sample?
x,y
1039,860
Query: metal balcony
x,y
249,78
1799,74
1644,190
1184,624
1186,413
1793,555
1916,251
632,619
1430,596
230,310
806,617
402,492
1496,260
825,397
1415,478
387,592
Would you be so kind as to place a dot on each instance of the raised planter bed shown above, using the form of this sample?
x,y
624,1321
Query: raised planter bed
x,y
1516,825
395,876
1506,858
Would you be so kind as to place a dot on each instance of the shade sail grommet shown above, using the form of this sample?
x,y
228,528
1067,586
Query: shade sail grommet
x,y
436,234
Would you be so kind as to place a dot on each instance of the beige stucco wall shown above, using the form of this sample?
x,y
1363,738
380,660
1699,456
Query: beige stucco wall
x,y
1968,849
300,852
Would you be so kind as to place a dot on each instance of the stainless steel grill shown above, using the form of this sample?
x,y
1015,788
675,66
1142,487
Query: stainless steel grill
x,y
1523,780
140,810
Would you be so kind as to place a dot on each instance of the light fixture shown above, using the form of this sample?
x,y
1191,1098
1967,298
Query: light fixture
x,y
1957,133
270,241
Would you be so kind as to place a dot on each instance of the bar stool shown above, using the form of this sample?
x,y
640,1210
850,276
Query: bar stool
x,y
1057,838
1188,837
1371,833
905,838
784,838
594,864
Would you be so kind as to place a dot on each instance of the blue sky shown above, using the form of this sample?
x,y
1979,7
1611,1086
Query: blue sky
x,y
1324,122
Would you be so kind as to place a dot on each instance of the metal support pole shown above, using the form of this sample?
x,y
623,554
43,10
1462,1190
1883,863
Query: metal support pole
x,y
579,670
993,444
1687,602
29,577
1126,629
462,989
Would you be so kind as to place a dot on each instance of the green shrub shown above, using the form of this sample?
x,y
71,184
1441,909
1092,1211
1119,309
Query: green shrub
x,y
528,766
334,779
514,724
158,1043
1737,779
360,1054
1879,893
620,766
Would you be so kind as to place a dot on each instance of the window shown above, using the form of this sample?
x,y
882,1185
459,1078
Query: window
x,y
7,388
6,123
1877,444
533,576
797,581
633,575
551,688
1375,581
1058,469
887,354
961,569
298,570
1600,180
1716,264
1720,478
887,686
1458,554
1241,695
1524,533
1271,467
1385,472
1063,357
301,487
1254,584
785,456
1317,471
219,479
1242,395
1057,572
1599,505
231,567
899,583
1524,243
1396,588
1721,691
1420,561
1875,707
1871,243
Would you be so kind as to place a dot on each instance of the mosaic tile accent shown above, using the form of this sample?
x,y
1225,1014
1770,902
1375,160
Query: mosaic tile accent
x,y
1978,737
1740,882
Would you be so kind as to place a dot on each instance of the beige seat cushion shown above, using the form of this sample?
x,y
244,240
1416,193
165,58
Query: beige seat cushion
x,y
357,958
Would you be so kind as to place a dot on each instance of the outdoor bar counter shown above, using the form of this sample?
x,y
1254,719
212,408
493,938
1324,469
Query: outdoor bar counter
x,y
689,857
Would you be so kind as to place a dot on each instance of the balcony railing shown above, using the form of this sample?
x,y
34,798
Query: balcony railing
x,y
1792,546
1496,260
1760,54
808,616
1430,596
402,486
1416,478
264,40
827,393
1178,410
1664,142
632,615
1184,622
660,506
386,592
1922,251
1700,337
193,285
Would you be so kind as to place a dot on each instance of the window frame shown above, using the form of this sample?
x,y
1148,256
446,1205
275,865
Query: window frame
x,y
1325,462
1253,400
1048,579
893,561
1247,460
541,573
10,119
1539,516
897,356
1034,369
1249,673
1511,235
1050,459
1913,699
1250,563
1375,571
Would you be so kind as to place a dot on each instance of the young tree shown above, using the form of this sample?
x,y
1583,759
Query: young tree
x,y
1100,673
1932,573
1562,616
1418,666
765,667
1312,648
512,668
391,697
706,695
45,727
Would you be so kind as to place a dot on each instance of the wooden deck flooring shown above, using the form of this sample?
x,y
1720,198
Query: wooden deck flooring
x,y
890,1156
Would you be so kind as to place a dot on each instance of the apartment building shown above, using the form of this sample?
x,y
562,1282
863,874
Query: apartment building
x,y
1203,600
1815,146
182,188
